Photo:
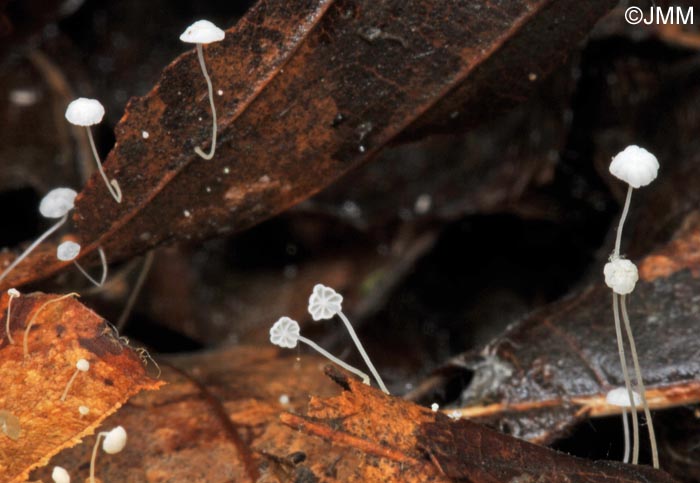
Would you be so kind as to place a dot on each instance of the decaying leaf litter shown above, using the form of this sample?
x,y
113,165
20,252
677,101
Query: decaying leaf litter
x,y
299,226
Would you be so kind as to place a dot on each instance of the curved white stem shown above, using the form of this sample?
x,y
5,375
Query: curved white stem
x,y
625,210
626,430
112,185
94,456
198,150
628,383
103,278
343,364
7,321
640,383
364,355
70,383
33,246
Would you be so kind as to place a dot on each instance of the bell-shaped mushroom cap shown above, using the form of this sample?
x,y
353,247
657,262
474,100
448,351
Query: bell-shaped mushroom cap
x,y
67,251
635,166
85,112
60,475
202,32
57,202
621,275
115,441
620,398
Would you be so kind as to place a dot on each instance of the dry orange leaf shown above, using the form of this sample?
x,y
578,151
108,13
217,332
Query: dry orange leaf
x,y
62,332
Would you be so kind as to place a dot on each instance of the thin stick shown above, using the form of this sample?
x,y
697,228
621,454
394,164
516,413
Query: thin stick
x,y
70,383
104,270
31,321
133,297
626,430
113,185
33,246
364,355
94,456
640,383
618,238
628,383
198,150
343,364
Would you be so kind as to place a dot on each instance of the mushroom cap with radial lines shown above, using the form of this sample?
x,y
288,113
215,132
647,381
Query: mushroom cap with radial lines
x,y
285,333
324,302
85,112
620,398
57,202
115,440
635,166
621,276
67,251
202,32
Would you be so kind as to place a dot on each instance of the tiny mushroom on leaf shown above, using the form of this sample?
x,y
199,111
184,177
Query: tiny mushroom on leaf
x,y
60,475
621,276
286,333
9,425
56,204
69,250
11,294
81,366
637,167
324,303
114,442
86,112
205,32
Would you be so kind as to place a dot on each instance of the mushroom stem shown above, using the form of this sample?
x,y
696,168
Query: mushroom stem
x,y
198,150
7,321
626,431
103,258
343,364
94,455
640,383
112,185
31,321
618,239
31,247
363,353
628,384
143,275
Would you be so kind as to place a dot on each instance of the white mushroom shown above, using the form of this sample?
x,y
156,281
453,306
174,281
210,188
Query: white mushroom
x,y
205,32
68,252
11,294
86,112
621,276
114,442
637,167
81,366
324,303
56,204
60,475
286,333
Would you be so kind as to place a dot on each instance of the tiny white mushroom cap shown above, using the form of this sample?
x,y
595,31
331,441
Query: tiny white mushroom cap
x,y
67,251
435,407
82,365
635,166
85,112
202,32
13,292
620,398
115,441
324,302
621,275
60,475
285,333
57,202
83,410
